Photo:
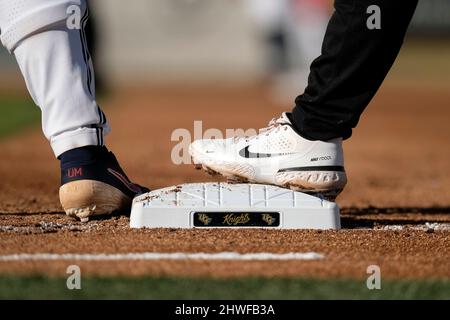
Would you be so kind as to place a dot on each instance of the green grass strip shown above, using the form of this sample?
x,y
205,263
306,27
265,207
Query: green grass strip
x,y
17,113
14,287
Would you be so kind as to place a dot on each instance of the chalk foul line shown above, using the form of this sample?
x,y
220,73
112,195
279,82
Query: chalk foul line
x,y
152,256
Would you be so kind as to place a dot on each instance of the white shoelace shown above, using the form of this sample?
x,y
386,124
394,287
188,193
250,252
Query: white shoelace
x,y
274,124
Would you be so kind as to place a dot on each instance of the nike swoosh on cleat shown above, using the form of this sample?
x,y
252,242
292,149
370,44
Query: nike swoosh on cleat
x,y
245,153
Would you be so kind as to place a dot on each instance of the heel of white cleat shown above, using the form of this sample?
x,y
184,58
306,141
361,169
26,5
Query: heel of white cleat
x,y
324,184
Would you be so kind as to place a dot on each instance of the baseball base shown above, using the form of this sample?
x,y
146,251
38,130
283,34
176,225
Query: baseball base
x,y
223,205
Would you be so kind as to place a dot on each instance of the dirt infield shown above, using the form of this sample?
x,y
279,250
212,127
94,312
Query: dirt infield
x,y
396,208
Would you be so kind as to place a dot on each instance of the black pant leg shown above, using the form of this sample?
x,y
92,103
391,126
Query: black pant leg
x,y
353,64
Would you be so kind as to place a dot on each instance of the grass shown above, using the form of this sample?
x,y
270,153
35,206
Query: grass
x,y
37,287
16,113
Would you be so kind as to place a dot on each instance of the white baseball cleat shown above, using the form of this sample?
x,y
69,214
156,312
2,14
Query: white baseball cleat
x,y
278,155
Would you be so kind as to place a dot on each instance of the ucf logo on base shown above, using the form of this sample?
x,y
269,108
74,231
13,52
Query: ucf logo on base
x,y
236,219
203,217
268,219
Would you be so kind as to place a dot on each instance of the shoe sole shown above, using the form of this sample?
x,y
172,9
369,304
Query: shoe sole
x,y
83,199
324,184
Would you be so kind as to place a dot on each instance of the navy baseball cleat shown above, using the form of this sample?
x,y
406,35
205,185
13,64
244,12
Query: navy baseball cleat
x,y
93,183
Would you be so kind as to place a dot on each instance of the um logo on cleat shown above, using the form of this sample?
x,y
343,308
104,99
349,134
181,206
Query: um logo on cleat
x,y
75,172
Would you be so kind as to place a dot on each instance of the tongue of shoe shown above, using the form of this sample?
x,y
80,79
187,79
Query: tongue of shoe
x,y
284,118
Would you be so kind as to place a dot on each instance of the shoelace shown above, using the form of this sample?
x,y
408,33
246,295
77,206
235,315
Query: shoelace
x,y
274,124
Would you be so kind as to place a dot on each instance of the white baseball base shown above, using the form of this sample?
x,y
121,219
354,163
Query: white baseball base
x,y
223,205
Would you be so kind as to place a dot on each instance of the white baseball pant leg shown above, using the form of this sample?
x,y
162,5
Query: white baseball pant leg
x,y
57,67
